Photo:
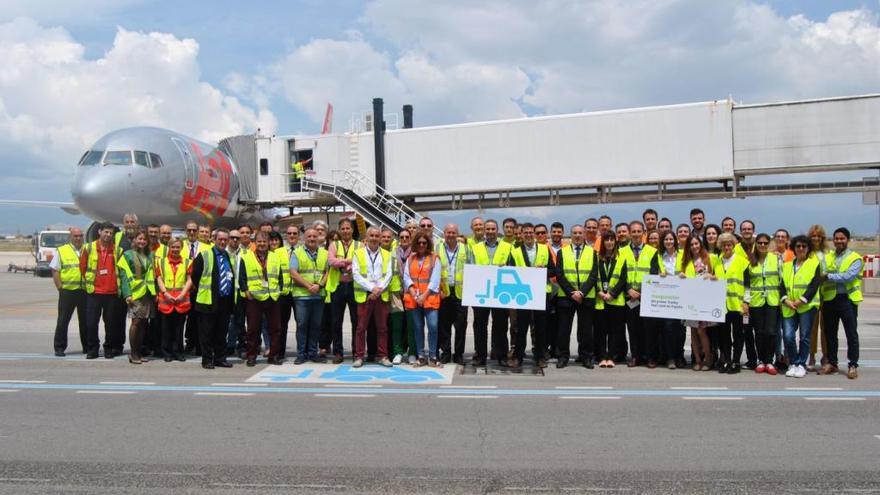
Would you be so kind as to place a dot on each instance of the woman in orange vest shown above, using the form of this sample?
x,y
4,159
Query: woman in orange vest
x,y
422,298
173,286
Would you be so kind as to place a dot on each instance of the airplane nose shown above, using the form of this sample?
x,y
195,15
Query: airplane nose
x,y
96,193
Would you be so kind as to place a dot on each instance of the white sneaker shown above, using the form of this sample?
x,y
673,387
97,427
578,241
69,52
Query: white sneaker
x,y
800,372
791,370
411,360
397,359
357,363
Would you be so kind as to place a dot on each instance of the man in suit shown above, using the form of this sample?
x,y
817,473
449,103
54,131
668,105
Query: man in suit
x,y
214,282
537,255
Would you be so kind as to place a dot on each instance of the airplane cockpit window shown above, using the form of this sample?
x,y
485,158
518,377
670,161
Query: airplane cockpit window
x,y
117,158
91,157
155,160
141,158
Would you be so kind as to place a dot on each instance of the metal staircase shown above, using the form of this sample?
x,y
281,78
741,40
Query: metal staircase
x,y
368,199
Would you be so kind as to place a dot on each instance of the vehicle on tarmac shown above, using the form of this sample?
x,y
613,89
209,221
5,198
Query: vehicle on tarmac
x,y
46,245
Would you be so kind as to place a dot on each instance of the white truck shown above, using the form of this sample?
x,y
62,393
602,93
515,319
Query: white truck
x,y
46,245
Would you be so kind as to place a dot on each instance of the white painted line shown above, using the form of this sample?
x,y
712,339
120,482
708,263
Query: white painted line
x,y
279,485
834,398
582,397
712,398
345,395
161,473
106,392
9,359
8,390
239,384
877,437
467,396
36,480
698,388
583,388
225,394
814,388
339,385
22,381
475,387
127,383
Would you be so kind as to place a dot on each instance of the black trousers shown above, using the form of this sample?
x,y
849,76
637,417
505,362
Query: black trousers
x,y
192,328
673,338
120,315
285,306
212,330
732,327
763,322
153,336
499,333
172,333
101,307
551,323
566,309
841,309
538,321
609,329
452,315
68,301
638,336
341,298
749,343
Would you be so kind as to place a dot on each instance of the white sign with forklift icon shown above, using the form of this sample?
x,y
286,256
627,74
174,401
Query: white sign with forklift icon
x,y
504,287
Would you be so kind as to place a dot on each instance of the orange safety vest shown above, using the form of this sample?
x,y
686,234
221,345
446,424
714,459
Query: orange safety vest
x,y
174,282
421,276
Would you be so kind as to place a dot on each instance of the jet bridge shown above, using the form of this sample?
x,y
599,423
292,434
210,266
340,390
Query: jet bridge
x,y
691,151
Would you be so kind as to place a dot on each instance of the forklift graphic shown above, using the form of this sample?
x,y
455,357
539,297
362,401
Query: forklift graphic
x,y
508,287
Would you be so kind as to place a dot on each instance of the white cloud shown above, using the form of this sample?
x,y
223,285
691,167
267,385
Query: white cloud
x,y
54,102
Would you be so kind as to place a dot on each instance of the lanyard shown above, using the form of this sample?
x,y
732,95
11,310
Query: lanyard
x,y
605,271
262,262
454,255
345,249
372,258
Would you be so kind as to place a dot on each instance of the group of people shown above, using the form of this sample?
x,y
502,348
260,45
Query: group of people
x,y
216,293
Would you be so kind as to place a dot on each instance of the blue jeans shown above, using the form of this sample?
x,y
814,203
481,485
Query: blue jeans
x,y
308,313
797,354
418,317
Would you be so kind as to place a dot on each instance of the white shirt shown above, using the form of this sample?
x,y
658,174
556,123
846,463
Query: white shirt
x,y
451,257
55,264
374,276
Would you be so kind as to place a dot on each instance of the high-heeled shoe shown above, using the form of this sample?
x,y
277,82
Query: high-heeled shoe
x,y
135,360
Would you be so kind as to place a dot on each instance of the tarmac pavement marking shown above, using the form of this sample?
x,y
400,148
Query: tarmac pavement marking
x,y
467,396
344,395
8,390
126,383
280,485
341,385
579,387
22,381
473,387
28,480
225,394
698,388
239,384
877,437
578,397
107,392
814,388
712,398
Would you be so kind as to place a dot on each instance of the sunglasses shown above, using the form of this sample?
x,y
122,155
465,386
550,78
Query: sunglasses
x,y
422,243
762,243
426,225
293,233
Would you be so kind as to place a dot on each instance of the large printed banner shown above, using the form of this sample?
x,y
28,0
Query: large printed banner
x,y
683,298
504,287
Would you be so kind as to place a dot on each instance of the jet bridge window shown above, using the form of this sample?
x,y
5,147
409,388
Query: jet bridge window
x,y
142,159
117,158
91,157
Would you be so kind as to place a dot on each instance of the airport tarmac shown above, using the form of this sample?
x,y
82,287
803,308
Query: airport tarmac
x,y
103,426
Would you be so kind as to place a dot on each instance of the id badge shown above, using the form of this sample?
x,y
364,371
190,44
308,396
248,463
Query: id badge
x,y
265,284
604,286
103,271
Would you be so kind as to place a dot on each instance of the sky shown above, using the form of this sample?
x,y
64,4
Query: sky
x,y
75,70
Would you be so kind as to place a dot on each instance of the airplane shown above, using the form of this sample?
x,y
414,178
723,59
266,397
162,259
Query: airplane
x,y
162,176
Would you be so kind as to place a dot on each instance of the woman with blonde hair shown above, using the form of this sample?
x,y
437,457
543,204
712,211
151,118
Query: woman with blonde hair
x,y
818,245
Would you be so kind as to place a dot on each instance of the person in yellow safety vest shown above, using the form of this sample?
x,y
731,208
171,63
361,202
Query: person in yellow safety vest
x,y
818,243
401,341
490,251
841,295
610,316
214,280
138,287
644,333
673,332
308,271
478,233
285,301
340,286
101,280
71,293
299,173
537,255
621,232
172,288
799,290
124,240
734,270
746,245
453,256
696,262
513,237
555,243
576,273
765,270
371,271
260,280
191,249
